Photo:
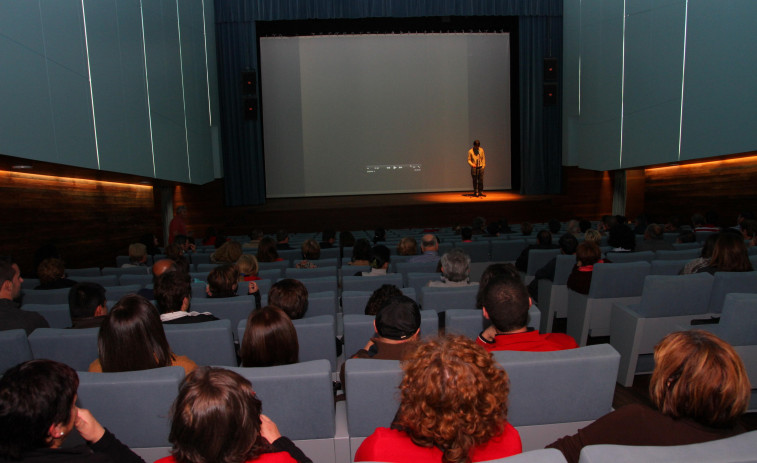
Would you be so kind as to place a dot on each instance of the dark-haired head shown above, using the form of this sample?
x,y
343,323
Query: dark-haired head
x,y
84,299
172,291
291,296
506,302
380,297
267,251
223,281
492,272
361,250
269,339
380,256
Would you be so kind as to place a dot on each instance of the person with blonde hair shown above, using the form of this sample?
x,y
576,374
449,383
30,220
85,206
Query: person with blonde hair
x,y
311,251
137,256
248,267
699,388
453,408
228,253
52,275
407,246
593,236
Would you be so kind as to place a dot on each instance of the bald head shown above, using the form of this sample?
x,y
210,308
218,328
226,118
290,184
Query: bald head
x,y
429,243
162,266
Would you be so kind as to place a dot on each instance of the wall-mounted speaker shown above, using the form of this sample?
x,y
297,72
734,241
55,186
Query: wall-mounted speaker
x,y
250,108
249,83
550,94
550,69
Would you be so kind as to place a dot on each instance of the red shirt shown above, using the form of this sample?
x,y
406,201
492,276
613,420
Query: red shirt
x,y
529,341
176,227
275,457
391,445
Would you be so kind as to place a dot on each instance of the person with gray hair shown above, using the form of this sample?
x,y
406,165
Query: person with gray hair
x,y
455,270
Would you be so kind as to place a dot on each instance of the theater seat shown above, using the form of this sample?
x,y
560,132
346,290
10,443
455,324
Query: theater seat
x,y
207,343
75,348
14,348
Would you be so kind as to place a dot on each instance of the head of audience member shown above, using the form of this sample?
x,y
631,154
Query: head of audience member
x,y
328,236
526,228
361,251
185,243
588,253
399,320
544,238
87,300
217,418
429,243
492,272
46,251
744,215
673,224
291,296
608,221
453,396
686,236
267,250
653,232
407,246
554,226
455,265
132,338
173,292
282,237
621,236
269,339
380,257
137,254
697,220
584,225
466,234
641,223
37,408
380,297
572,227
346,239
711,217
256,235
151,243
379,235
51,270
506,302
748,229
478,225
493,229
247,265
699,376
10,280
174,251
311,250
709,245
223,281
730,254
162,266
594,236
228,253
568,244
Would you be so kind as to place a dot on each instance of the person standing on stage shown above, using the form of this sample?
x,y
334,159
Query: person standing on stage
x,y
477,162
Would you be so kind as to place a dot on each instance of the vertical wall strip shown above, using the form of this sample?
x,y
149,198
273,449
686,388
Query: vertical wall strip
x,y
207,71
683,76
147,87
89,76
183,94
622,87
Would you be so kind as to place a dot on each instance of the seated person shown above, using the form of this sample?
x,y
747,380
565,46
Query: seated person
x,y
52,275
217,418
398,327
175,253
173,297
587,254
466,235
223,281
227,253
132,338
729,255
594,236
269,339
407,247
429,249
328,238
87,305
311,251
361,252
653,240
282,240
455,266
568,244
38,412
621,238
11,315
699,389
255,237
379,298
505,302
248,268
267,251
137,256
703,260
453,408
158,269
543,241
380,257
291,296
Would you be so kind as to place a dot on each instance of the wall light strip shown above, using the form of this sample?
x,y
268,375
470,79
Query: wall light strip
x,y
622,86
89,75
147,87
183,93
40,177
735,161
683,75
207,71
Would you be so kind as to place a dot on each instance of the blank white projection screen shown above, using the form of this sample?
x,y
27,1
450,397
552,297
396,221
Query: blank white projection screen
x,y
364,114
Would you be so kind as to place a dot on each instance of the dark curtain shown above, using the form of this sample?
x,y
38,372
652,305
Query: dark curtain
x,y
540,29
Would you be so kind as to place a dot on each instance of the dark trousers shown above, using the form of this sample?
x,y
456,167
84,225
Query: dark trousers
x,y
477,174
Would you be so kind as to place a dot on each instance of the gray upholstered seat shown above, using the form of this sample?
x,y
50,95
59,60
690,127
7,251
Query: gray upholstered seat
x,y
234,309
553,295
353,302
356,283
320,284
322,303
14,348
507,250
300,273
77,273
470,323
105,280
479,251
207,343
57,315
538,258
622,257
687,254
45,296
76,348
406,268
731,282
667,267
132,279
456,297
114,293
121,271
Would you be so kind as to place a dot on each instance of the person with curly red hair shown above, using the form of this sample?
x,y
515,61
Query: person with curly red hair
x,y
453,408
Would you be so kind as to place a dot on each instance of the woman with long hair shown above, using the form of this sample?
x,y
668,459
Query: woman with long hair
x,y
267,251
269,339
728,255
453,408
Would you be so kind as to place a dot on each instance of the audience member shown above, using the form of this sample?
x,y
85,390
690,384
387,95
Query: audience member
x,y
526,228
151,243
328,238
492,272
346,240
587,254
429,249
132,338
479,226
493,230
178,225
187,243
505,302
572,227
593,236
361,252
248,268
269,339
379,235
291,296
699,388
607,222
704,258
137,256
729,255
52,275
543,241
642,225
686,236
455,266
282,240
748,229
255,237
211,234
311,251
173,297
217,418
673,225
554,226
568,244
705,223
466,235
87,305
223,281
379,262
228,253
11,316
653,240
46,251
407,247
621,238
379,298
267,251
158,268
453,408
38,412
584,226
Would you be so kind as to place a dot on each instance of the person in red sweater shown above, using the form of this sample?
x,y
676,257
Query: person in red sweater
x,y
505,302
453,409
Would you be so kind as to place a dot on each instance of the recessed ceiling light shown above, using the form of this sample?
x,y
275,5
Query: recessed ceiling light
x,y
22,166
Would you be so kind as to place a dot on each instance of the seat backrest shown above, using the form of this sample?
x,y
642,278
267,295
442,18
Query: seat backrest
x,y
679,246
272,274
75,348
479,251
317,338
740,448
534,456
323,303
354,302
299,398
738,321
679,254
133,405
234,309
675,295
731,282
57,315
114,293
622,257
667,267
263,286
279,265
299,273
563,266
355,283
586,378
121,271
14,348
205,268
105,280
371,394
538,258
46,296
131,279
320,284
207,343
418,280
441,299
507,250
618,280
77,273
470,323
406,268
